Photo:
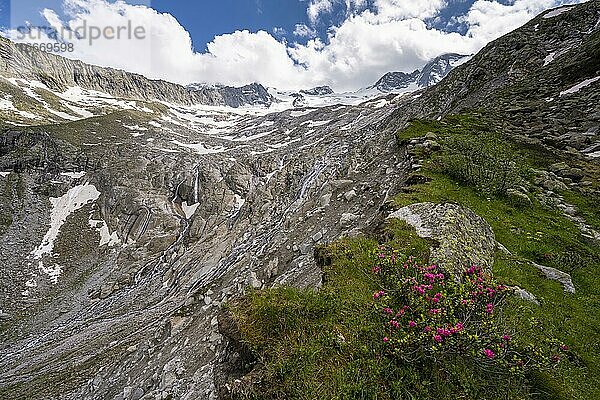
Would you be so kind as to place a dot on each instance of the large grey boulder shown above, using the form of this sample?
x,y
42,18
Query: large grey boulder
x,y
462,237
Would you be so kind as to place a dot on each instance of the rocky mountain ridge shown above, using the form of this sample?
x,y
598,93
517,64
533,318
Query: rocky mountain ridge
x,y
24,62
433,72
123,232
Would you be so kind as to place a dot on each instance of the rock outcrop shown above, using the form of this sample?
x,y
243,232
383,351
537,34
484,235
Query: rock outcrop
x,y
433,72
462,237
58,73
123,234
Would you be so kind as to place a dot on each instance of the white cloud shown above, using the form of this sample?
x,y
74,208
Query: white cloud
x,y
486,19
391,36
318,7
401,9
302,30
279,31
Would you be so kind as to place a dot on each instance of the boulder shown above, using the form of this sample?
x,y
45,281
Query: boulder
x,y
347,219
518,197
349,195
525,295
554,274
462,237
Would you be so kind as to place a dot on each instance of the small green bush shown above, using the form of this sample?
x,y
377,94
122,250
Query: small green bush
x,y
483,160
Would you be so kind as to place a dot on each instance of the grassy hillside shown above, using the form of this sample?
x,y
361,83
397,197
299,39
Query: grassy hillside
x,y
327,343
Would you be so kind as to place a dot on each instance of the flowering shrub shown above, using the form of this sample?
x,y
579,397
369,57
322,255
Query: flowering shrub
x,y
430,314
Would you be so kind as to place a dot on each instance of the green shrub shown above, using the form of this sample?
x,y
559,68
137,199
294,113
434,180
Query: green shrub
x,y
328,344
431,315
483,160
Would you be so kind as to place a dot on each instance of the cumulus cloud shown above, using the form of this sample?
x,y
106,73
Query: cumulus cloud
x,y
302,30
279,31
400,9
389,36
486,19
318,7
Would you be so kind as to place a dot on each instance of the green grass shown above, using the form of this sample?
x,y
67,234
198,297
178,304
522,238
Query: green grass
x,y
327,344
296,334
536,233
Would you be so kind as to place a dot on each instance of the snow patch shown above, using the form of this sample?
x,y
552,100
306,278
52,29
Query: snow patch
x,y
238,203
135,127
73,175
314,124
106,238
52,271
296,114
579,86
549,58
6,104
557,12
253,137
62,207
379,104
190,210
200,148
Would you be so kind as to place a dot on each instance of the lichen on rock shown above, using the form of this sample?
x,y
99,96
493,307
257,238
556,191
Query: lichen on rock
x,y
463,238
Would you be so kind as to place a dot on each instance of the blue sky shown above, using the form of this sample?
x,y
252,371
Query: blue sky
x,y
347,44
209,18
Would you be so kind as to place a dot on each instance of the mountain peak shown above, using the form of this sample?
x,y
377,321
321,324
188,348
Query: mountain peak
x,y
433,72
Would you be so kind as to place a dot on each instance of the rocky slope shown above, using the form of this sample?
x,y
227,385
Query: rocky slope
x,y
124,231
433,72
58,73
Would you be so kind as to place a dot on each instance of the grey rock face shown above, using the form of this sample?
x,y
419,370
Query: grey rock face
x,y
525,295
189,216
396,80
191,219
562,277
252,95
318,91
438,68
433,72
464,239
22,61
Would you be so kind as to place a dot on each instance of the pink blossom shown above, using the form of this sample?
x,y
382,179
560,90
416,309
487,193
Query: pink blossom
x,y
489,308
386,339
412,324
438,338
506,338
427,328
443,332
459,326
489,353
379,294
388,310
